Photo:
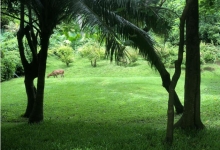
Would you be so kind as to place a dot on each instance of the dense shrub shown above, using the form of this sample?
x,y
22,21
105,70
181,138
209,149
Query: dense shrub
x,y
93,51
10,65
132,54
210,33
168,54
129,57
10,58
65,53
208,52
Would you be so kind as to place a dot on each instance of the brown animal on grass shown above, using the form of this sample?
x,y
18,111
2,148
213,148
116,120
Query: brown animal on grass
x,y
56,72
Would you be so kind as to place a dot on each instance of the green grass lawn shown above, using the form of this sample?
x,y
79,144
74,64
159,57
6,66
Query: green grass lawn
x,y
107,107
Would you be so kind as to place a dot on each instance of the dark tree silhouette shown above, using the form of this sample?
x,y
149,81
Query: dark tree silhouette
x,y
191,115
37,26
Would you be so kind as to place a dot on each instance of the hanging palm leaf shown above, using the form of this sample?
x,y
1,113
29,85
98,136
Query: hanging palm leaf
x,y
116,29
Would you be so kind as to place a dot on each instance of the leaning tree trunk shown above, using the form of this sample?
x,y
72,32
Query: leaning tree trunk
x,y
37,113
165,76
191,114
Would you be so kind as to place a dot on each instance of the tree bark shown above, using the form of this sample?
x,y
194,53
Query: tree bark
x,y
30,69
165,76
31,96
191,115
37,113
177,73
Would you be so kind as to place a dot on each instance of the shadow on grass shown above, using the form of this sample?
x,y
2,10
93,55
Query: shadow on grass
x,y
81,135
64,134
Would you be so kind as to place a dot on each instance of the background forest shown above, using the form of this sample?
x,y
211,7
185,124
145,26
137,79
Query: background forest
x,y
103,100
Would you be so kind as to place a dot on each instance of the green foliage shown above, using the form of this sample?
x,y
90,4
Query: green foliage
x,y
65,53
56,40
10,43
10,58
132,54
69,31
209,53
129,57
208,22
10,63
93,51
12,27
210,33
169,54
174,10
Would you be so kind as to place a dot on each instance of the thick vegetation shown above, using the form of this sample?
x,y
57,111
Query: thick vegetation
x,y
87,47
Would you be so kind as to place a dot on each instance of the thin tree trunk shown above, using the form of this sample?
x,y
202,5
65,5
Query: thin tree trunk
x,y
94,65
191,115
177,73
165,76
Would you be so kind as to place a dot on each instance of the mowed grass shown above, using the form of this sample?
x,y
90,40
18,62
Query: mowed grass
x,y
107,107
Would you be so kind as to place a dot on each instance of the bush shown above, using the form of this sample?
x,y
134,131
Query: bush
x,y
168,54
10,65
93,51
128,57
210,33
208,53
132,54
65,53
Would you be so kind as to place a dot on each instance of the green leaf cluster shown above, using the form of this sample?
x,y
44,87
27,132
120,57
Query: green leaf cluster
x,y
209,53
10,64
92,50
65,53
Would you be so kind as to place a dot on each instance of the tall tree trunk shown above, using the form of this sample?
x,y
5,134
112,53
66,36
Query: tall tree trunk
x,y
191,114
37,113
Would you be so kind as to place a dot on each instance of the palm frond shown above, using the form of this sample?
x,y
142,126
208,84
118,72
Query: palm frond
x,y
117,29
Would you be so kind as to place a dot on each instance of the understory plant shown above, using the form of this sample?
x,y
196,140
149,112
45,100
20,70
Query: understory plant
x,y
93,51
65,53
209,53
